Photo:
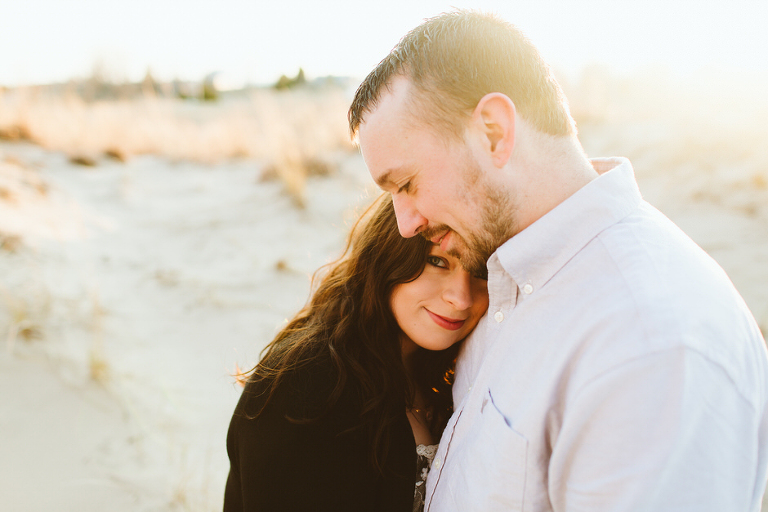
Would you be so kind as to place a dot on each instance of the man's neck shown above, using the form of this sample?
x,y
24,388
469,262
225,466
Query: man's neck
x,y
546,171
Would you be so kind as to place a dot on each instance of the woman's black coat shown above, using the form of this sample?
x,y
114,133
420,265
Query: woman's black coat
x,y
279,465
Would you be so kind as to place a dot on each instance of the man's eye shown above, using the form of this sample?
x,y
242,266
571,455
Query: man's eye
x,y
405,187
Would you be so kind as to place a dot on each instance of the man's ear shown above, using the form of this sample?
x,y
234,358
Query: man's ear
x,y
494,116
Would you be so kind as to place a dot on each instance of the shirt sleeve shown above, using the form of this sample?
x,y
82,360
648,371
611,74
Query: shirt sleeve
x,y
666,431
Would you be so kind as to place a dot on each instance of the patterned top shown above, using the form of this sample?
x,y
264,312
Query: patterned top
x,y
424,455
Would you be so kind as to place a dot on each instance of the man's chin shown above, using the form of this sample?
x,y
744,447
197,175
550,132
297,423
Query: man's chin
x,y
475,267
471,261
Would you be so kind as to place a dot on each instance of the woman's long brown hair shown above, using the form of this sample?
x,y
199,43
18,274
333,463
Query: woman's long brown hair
x,y
348,317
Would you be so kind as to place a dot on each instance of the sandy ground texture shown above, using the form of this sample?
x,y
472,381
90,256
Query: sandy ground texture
x,y
142,289
139,286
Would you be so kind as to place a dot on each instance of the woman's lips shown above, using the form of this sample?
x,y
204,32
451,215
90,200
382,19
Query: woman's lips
x,y
446,323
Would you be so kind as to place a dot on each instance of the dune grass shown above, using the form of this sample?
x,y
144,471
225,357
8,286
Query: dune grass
x,y
289,133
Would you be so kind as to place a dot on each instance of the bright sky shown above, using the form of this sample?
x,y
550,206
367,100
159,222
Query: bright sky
x,y
258,40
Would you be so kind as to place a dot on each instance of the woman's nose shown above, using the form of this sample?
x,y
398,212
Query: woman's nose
x,y
458,290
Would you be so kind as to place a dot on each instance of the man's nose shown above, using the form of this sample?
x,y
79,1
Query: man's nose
x,y
409,221
458,292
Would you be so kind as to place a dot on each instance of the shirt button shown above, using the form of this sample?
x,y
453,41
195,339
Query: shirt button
x,y
437,463
528,289
498,316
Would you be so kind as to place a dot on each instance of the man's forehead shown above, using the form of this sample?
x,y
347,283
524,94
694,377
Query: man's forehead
x,y
391,106
384,140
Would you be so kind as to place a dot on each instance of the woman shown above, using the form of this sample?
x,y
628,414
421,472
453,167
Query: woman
x,y
331,417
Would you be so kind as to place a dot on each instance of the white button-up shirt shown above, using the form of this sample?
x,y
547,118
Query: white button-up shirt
x,y
617,369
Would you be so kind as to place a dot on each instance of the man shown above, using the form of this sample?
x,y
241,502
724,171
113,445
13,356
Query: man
x,y
617,368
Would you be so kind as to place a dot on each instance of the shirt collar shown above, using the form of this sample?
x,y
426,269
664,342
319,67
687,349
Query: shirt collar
x,y
538,252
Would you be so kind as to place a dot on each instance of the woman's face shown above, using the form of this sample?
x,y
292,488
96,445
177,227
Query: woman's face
x,y
441,306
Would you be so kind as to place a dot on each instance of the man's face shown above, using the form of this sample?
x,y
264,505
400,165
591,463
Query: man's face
x,y
438,188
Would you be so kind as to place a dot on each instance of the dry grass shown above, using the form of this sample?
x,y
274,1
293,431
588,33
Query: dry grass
x,y
288,132
98,367
24,310
19,183
29,212
293,169
261,124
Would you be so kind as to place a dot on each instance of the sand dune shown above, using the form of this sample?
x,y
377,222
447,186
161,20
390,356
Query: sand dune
x,y
140,321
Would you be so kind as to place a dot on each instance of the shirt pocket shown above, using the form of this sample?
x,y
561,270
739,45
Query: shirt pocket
x,y
495,463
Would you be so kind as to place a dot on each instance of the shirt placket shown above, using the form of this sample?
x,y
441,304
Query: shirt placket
x,y
503,294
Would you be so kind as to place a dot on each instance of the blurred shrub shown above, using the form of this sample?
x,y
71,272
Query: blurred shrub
x,y
284,82
209,92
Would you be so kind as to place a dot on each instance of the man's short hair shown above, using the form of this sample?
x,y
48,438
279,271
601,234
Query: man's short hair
x,y
455,59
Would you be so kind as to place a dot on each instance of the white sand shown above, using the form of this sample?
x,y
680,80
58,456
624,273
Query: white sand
x,y
150,280
176,283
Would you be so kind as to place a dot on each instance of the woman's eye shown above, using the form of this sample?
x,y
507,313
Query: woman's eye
x,y
436,261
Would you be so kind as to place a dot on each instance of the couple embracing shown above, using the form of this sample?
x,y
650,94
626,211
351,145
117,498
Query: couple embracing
x,y
550,341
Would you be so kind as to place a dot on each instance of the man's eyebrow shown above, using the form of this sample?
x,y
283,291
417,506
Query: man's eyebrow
x,y
385,179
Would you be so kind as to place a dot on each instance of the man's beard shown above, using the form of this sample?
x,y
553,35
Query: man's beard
x,y
497,226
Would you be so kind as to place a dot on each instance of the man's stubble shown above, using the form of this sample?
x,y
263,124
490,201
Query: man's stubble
x,y
497,223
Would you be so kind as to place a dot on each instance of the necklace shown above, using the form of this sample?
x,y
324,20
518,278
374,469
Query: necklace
x,y
427,412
